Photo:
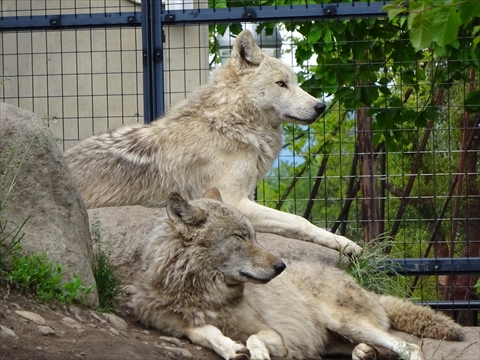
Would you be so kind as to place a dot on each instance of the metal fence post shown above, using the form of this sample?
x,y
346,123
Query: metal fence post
x,y
152,42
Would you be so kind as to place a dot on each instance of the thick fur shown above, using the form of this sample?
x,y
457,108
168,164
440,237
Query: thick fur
x,y
225,135
205,277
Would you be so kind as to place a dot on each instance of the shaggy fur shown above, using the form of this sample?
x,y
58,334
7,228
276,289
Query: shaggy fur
x,y
205,277
225,135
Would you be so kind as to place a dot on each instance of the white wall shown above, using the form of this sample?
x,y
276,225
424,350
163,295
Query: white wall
x,y
89,80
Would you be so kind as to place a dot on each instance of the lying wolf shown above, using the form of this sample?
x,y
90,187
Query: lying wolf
x,y
205,277
225,135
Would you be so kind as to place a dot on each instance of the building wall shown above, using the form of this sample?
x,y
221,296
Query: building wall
x,y
86,81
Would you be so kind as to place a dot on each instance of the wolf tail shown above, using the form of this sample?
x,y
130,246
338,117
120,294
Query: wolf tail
x,y
420,320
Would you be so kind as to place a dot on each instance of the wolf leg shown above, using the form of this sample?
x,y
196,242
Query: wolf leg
x,y
364,332
364,352
211,337
264,343
277,222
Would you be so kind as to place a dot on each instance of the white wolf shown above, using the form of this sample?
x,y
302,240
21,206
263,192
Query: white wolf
x,y
203,276
226,135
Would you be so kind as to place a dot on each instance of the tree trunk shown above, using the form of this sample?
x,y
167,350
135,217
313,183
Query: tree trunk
x,y
368,186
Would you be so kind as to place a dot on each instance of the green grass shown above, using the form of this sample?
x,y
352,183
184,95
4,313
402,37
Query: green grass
x,y
42,278
108,284
374,272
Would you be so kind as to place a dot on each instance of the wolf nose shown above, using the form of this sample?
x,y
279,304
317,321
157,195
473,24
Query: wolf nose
x,y
319,108
279,267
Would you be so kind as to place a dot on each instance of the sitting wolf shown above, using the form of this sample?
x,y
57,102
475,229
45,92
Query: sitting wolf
x,y
226,134
205,277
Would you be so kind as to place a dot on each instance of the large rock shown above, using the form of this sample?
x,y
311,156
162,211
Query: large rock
x,y
125,229
44,192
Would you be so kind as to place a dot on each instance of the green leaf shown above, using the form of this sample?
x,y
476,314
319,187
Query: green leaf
x,y
420,25
469,10
476,29
472,102
445,24
394,12
476,41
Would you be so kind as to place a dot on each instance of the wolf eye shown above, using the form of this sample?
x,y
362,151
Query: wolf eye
x,y
239,237
281,84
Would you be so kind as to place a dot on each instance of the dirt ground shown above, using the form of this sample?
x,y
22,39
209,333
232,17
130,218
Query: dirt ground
x,y
85,334
77,332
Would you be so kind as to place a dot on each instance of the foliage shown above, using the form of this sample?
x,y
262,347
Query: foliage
x,y
373,270
103,271
36,275
436,23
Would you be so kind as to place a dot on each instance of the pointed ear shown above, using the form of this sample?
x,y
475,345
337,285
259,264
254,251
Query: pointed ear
x,y
245,52
179,211
213,193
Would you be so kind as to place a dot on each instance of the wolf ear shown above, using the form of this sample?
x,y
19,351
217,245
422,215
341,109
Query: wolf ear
x,y
245,52
213,193
179,211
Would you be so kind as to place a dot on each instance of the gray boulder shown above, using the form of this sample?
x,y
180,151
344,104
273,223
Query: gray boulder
x,y
44,191
125,229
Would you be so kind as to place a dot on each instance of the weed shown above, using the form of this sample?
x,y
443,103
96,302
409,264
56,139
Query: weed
x,y
9,240
36,275
107,281
373,270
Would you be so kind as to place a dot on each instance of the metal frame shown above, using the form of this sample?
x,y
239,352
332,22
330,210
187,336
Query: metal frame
x,y
153,69
439,266
152,19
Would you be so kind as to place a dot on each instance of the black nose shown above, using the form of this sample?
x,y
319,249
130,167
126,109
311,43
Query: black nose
x,y
279,267
319,108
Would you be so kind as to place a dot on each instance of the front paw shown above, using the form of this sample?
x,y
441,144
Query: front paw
x,y
346,246
259,353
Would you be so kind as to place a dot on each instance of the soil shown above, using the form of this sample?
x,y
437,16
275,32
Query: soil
x,y
89,336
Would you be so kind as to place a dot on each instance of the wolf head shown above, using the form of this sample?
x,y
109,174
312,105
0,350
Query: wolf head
x,y
219,238
272,86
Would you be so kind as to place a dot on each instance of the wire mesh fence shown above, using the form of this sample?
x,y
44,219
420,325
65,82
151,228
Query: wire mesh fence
x,y
394,159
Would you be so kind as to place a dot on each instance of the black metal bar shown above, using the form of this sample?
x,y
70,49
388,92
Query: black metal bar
x,y
70,21
452,304
204,15
152,39
274,13
439,266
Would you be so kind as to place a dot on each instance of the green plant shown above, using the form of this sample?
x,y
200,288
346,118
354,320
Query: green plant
x,y
9,240
103,271
36,275
373,270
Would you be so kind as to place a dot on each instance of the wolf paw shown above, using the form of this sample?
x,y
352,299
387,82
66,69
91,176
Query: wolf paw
x,y
415,352
259,354
347,246
364,352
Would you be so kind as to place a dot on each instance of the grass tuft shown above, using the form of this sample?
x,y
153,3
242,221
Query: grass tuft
x,y
36,275
373,270
108,284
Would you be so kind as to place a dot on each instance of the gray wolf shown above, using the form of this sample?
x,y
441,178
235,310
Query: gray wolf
x,y
203,276
226,135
